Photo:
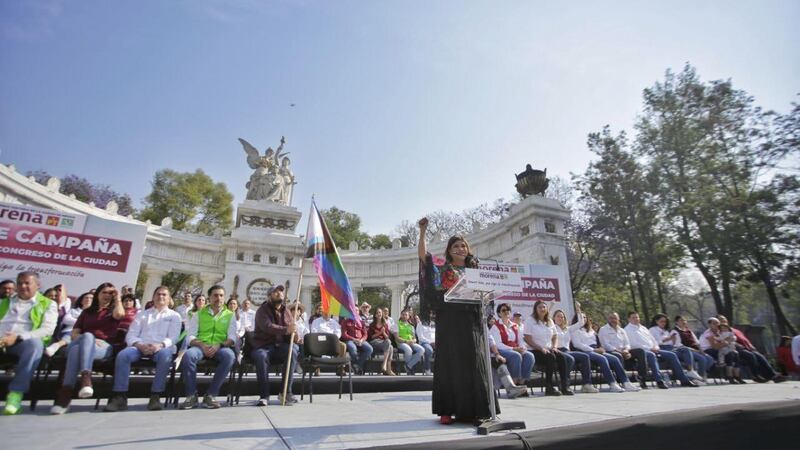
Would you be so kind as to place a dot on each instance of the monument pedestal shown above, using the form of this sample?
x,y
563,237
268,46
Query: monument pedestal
x,y
267,215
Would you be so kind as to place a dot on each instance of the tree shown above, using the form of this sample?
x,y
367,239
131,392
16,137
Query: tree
x,y
381,241
86,191
192,200
443,224
345,227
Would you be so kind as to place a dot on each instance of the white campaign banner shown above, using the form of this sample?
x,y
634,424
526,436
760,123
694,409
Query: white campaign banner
x,y
540,282
72,249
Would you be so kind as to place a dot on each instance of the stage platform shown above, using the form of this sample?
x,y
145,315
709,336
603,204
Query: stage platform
x,y
731,416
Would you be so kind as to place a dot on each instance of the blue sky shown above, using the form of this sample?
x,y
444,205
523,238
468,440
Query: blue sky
x,y
402,108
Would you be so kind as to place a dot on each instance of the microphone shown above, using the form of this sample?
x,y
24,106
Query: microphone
x,y
471,261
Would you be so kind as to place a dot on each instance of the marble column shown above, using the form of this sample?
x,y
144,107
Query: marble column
x,y
397,299
305,298
154,276
207,280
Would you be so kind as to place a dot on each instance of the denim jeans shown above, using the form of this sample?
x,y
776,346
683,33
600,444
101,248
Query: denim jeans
x,y
29,353
225,359
583,362
609,366
412,354
274,353
429,356
122,368
519,365
81,354
359,355
671,360
645,359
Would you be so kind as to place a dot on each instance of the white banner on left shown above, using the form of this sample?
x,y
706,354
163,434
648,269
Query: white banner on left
x,y
72,249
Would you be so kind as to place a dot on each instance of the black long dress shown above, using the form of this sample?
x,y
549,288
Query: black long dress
x,y
460,382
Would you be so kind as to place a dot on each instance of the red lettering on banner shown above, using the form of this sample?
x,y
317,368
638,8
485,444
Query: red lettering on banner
x,y
536,288
64,248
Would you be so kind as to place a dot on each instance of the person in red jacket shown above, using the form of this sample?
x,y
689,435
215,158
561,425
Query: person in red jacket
x,y
354,335
784,354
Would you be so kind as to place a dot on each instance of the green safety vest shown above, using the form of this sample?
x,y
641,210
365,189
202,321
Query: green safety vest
x,y
213,329
37,312
405,330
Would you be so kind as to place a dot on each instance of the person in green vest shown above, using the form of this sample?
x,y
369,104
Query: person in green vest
x,y
27,322
211,334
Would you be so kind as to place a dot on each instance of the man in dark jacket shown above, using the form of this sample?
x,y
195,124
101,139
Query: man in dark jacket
x,y
274,325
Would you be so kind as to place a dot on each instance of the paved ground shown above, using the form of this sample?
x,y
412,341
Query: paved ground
x,y
328,423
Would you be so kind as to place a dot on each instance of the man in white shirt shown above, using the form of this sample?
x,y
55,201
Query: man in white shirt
x,y
641,338
614,340
153,333
27,322
184,308
248,315
427,339
328,324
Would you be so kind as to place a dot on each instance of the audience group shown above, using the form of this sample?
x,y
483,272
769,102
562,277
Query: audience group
x,y
109,324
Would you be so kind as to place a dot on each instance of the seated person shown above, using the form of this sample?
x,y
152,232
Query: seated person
x,y
152,334
27,322
406,340
68,322
783,353
380,340
563,342
354,335
508,339
211,334
94,336
327,324
614,340
426,333
640,338
584,339
540,336
687,339
758,364
711,343
669,340
274,325
500,374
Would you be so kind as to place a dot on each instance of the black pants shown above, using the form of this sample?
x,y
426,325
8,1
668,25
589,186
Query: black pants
x,y
756,362
637,357
550,361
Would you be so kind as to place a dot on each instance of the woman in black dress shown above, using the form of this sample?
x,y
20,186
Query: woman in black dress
x,y
460,382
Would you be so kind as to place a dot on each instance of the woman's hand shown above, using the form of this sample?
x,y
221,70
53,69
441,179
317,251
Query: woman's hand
x,y
423,223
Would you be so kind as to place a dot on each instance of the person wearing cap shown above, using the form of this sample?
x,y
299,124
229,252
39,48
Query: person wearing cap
x,y
363,313
274,325
354,335
211,334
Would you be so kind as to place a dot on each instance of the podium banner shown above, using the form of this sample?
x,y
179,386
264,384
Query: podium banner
x,y
66,248
540,282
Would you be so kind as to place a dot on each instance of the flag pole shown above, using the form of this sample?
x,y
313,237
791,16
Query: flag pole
x,y
294,317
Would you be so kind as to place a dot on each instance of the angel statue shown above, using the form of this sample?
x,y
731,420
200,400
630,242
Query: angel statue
x,y
269,180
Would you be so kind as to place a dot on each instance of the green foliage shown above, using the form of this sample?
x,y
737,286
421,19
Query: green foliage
x,y
192,200
381,241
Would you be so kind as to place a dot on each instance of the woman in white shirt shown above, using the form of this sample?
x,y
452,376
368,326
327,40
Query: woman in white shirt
x,y
670,340
540,336
584,339
508,339
563,338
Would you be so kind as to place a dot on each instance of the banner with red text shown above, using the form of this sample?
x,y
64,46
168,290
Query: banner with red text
x,y
540,282
72,249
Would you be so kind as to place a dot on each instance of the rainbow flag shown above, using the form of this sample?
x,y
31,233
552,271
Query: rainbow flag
x,y
337,297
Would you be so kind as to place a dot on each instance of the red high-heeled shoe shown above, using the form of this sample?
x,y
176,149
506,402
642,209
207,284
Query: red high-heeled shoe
x,y
446,420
